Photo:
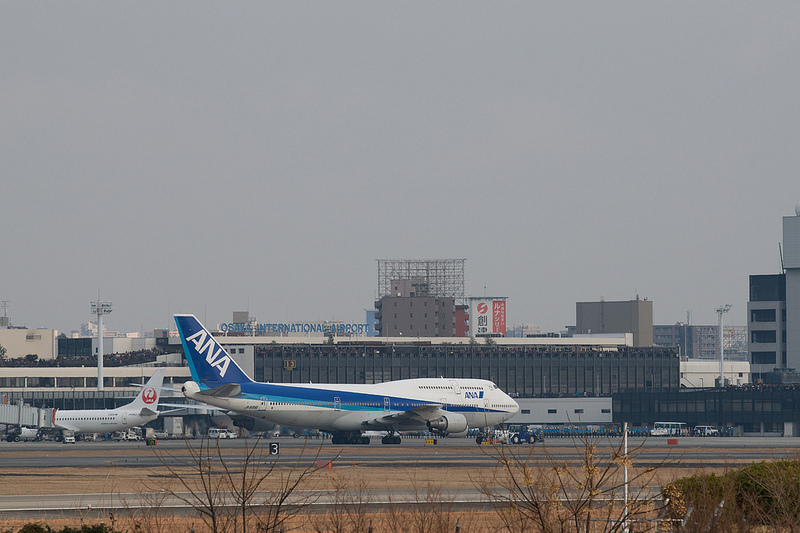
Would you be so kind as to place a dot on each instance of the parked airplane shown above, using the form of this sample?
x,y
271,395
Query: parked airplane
x,y
445,406
143,409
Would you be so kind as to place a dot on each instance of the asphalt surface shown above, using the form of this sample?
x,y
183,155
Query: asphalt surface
x,y
687,452
24,464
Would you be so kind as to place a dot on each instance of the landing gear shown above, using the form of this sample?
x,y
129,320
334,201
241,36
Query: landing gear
x,y
391,439
349,437
482,438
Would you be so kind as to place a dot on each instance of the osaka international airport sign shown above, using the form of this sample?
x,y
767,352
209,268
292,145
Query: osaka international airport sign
x,y
296,328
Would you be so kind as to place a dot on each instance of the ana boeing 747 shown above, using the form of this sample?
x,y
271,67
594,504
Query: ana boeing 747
x,y
443,406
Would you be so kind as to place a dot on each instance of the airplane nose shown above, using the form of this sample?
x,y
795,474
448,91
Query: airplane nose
x,y
513,405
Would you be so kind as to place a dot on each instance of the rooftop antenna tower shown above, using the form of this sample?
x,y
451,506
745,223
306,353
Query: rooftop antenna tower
x,y
4,318
100,308
721,310
432,277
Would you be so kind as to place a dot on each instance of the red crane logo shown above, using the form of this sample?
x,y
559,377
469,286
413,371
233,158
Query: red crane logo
x,y
149,395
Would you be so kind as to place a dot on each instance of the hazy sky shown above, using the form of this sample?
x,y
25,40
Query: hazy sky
x,y
208,157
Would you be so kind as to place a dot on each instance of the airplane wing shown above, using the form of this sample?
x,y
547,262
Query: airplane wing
x,y
141,386
412,419
187,407
171,411
67,426
229,390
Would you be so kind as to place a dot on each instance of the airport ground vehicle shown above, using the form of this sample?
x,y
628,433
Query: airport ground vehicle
x,y
16,434
519,433
130,434
217,433
669,429
705,431
513,434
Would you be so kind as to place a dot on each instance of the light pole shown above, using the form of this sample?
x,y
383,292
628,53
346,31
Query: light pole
x,y
100,308
721,310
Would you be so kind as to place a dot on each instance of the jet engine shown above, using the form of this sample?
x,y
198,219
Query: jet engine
x,y
449,423
190,387
249,423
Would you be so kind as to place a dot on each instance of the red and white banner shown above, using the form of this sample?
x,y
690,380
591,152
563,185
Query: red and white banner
x,y
487,316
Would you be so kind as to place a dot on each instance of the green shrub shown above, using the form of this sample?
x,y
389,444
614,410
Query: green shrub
x,y
762,493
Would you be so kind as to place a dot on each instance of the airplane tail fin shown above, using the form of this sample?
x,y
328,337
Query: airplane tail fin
x,y
150,394
209,362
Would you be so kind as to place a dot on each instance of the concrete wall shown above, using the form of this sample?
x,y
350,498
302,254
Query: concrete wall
x,y
635,316
21,342
124,344
700,374
578,410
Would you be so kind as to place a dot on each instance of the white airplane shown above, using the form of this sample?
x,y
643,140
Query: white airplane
x,y
445,406
143,409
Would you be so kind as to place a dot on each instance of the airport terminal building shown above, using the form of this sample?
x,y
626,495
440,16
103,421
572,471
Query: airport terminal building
x,y
600,379
621,372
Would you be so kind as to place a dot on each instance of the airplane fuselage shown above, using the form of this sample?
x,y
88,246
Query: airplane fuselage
x,y
365,407
99,420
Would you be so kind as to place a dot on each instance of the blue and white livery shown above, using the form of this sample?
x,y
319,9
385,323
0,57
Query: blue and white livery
x,y
445,406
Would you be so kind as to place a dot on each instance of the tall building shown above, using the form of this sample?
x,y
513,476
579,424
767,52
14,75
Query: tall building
x,y
635,316
774,314
420,297
766,311
418,316
702,342
791,268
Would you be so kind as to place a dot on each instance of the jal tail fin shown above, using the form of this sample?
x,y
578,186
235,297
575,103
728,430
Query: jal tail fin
x,y
150,394
210,364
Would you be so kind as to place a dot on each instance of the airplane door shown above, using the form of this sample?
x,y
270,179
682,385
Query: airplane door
x,y
444,404
263,403
387,404
337,403
456,387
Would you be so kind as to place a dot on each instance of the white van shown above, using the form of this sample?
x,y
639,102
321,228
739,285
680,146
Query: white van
x,y
217,433
706,431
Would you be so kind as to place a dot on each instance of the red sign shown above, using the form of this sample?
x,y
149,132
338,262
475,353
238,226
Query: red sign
x,y
482,308
499,316
149,395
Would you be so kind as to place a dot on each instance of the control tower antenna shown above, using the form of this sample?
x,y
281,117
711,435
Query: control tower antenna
x,y
721,310
100,308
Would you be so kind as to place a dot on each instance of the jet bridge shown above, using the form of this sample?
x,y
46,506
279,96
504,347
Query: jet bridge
x,y
15,416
